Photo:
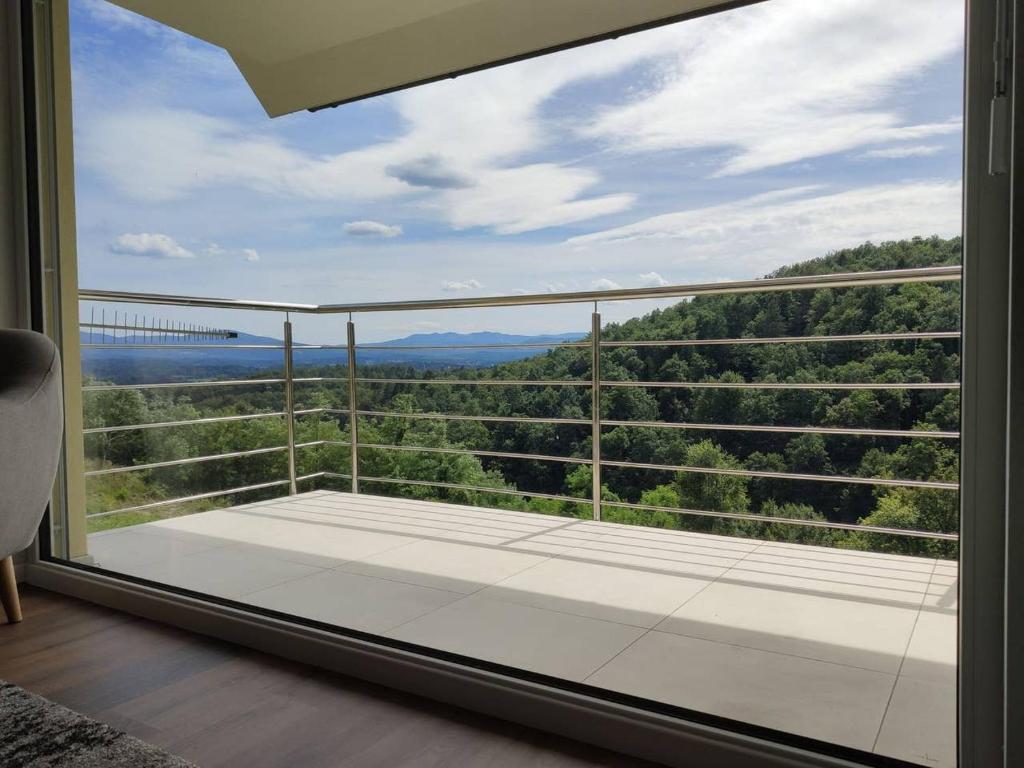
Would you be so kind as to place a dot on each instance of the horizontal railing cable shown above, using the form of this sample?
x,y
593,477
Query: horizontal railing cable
x,y
842,431
478,488
493,454
193,497
856,480
482,382
551,383
317,379
181,423
743,340
768,519
484,419
182,384
206,420
672,384
189,460
197,459
156,345
783,385
508,345
845,431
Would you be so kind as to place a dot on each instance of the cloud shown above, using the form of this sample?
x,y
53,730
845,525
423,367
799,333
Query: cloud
x,y
895,153
463,140
789,225
530,197
155,246
431,171
371,229
163,155
455,286
160,155
215,250
786,81
652,280
604,284
483,151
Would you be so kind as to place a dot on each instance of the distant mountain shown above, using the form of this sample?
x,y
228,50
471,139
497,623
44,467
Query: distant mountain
x,y
466,356
160,361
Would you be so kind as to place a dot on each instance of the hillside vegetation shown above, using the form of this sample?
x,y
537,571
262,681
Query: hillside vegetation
x,y
824,312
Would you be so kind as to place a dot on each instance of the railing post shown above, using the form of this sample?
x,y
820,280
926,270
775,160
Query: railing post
x,y
353,416
595,410
289,404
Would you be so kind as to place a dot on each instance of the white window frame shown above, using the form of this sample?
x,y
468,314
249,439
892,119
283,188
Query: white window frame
x,y
991,689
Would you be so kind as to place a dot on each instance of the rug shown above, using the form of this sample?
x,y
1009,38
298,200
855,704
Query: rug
x,y
37,733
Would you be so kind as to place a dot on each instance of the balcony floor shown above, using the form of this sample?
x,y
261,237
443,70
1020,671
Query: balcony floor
x,y
849,647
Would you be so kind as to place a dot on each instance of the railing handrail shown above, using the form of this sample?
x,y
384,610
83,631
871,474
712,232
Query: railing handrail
x,y
757,285
595,382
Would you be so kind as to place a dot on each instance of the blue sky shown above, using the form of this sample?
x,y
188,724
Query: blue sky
x,y
717,148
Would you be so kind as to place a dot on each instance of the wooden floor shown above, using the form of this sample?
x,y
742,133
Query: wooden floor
x,y
221,705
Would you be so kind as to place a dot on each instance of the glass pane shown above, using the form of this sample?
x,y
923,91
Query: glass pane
x,y
775,540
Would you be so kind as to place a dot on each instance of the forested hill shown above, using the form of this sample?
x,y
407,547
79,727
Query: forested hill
x,y
876,309
694,441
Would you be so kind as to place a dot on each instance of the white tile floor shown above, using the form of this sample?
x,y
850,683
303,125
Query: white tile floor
x,y
850,647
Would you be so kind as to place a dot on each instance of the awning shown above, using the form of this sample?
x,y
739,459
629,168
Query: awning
x,y
303,54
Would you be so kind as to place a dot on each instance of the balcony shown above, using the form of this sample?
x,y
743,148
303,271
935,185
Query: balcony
x,y
853,648
835,628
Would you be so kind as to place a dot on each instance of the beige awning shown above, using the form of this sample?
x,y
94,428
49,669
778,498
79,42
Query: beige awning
x,y
300,54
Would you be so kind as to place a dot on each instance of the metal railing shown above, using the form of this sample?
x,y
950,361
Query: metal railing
x,y
595,382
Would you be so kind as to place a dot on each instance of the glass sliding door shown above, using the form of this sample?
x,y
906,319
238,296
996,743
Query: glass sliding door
x,y
633,368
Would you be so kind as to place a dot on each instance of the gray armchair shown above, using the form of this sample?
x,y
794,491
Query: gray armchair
x,y
31,427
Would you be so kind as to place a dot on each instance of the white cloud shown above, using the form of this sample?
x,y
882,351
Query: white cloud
x,y
529,197
161,155
215,250
896,153
652,280
154,246
789,80
604,284
466,141
786,226
371,229
456,286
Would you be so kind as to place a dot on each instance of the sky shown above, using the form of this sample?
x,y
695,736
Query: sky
x,y
713,149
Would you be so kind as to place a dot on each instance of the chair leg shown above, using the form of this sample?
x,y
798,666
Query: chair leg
x,y
9,591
